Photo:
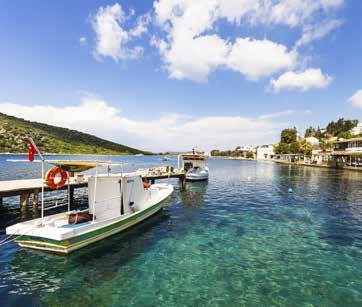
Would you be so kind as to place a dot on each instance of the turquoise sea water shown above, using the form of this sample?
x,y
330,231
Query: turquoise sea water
x,y
240,239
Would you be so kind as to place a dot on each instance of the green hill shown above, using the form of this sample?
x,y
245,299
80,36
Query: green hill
x,y
14,134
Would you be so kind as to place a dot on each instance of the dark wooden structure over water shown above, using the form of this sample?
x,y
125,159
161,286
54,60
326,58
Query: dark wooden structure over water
x,y
25,188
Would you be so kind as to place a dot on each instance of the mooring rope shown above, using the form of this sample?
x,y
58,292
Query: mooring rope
x,y
3,242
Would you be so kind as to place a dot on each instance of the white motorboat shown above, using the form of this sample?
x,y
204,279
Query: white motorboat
x,y
195,165
197,174
116,202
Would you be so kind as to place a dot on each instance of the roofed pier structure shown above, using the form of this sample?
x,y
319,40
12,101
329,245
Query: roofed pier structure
x,y
347,153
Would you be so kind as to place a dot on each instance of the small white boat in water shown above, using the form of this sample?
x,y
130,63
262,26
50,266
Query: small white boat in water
x,y
166,158
116,202
197,174
195,165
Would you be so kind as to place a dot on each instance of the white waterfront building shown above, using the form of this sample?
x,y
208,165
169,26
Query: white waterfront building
x,y
246,148
357,130
265,152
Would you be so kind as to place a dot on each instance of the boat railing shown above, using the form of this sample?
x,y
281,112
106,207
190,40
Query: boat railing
x,y
55,206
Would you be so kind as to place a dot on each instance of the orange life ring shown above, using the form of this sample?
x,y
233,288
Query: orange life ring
x,y
146,185
50,178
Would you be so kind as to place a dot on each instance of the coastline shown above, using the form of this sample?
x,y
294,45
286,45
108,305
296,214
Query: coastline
x,y
349,168
234,158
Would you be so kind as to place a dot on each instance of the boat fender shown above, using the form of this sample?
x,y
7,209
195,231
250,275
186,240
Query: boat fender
x,y
50,178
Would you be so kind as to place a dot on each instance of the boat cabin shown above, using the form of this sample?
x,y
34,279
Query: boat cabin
x,y
114,195
193,160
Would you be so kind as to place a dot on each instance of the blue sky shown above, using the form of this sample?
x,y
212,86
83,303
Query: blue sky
x,y
170,75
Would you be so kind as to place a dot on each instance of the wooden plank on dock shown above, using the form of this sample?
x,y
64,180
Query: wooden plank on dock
x,y
28,186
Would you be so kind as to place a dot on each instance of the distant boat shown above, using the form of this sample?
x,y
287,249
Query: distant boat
x,y
116,202
166,158
198,174
195,165
139,155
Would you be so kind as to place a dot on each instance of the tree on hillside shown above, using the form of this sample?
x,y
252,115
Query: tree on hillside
x,y
249,155
318,134
345,135
282,148
325,145
215,152
305,148
294,148
341,126
288,136
289,143
310,132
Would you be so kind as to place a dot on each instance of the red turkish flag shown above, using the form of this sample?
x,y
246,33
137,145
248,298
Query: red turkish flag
x,y
31,152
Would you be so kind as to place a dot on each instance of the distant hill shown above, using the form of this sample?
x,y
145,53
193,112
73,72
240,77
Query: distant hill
x,y
14,134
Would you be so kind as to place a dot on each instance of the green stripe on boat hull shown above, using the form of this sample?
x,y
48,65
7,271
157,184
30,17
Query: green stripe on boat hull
x,y
69,245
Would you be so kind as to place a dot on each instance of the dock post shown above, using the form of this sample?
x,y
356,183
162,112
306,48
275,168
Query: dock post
x,y
71,197
24,201
35,199
183,181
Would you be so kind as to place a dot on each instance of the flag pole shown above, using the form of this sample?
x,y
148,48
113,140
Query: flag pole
x,y
42,176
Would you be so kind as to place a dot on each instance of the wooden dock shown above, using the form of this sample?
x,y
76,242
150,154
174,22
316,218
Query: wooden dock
x,y
25,188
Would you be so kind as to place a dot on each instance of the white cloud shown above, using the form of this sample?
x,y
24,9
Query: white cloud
x,y
356,99
194,58
302,81
294,13
82,40
112,39
259,58
186,54
192,47
276,114
169,132
317,31
141,25
287,12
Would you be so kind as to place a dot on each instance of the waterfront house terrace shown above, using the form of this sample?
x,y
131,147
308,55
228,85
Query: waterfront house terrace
x,y
290,158
353,145
347,153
